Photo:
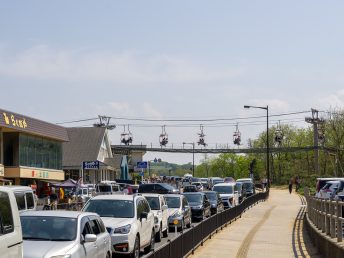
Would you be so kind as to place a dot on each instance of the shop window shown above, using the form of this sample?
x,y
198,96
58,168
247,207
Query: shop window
x,y
11,149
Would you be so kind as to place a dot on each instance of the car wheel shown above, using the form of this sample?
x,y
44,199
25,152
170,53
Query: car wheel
x,y
158,235
136,251
152,243
165,233
189,224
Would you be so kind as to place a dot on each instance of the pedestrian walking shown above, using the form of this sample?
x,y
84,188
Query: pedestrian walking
x,y
290,185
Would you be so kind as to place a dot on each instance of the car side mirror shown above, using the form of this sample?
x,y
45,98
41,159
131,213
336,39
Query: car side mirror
x,y
164,207
144,215
90,238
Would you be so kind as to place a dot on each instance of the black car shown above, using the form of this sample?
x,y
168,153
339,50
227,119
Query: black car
x,y
159,188
199,204
190,188
215,200
248,189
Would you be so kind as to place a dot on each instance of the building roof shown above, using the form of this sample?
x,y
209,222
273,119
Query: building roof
x,y
31,125
84,145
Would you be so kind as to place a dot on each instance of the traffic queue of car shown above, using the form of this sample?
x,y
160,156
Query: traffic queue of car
x,y
112,223
330,188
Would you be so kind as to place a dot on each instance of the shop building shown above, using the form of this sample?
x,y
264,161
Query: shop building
x,y
30,150
89,144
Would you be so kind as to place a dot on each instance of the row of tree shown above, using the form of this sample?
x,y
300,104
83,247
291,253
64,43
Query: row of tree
x,y
293,156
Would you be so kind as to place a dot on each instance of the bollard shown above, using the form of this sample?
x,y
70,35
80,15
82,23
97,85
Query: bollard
x,y
339,222
327,218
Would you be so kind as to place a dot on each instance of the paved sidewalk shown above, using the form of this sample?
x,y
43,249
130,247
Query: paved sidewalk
x,y
271,229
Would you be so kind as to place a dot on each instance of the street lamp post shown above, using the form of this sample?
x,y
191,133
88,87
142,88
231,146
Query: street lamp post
x,y
267,141
193,156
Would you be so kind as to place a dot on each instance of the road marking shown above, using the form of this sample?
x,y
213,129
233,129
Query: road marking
x,y
245,246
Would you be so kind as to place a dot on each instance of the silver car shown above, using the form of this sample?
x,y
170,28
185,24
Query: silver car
x,y
67,234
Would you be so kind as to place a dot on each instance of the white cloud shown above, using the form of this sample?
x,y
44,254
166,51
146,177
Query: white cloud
x,y
333,100
151,112
43,62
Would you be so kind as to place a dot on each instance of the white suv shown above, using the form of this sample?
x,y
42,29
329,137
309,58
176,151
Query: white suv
x,y
128,219
159,207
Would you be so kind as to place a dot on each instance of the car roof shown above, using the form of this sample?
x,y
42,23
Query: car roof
x,y
225,184
58,213
330,178
244,179
114,197
193,193
19,187
333,182
173,195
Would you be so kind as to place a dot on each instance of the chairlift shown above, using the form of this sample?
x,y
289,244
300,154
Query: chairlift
x,y
201,140
126,137
163,138
279,134
237,136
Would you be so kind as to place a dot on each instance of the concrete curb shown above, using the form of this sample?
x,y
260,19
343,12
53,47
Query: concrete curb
x,y
327,246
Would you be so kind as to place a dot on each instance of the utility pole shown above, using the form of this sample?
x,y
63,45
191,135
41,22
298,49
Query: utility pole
x,y
315,121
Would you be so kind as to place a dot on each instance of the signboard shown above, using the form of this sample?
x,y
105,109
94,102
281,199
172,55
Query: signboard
x,y
142,164
2,171
90,164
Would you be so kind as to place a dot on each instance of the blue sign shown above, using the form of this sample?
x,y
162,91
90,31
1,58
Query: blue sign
x,y
142,164
90,164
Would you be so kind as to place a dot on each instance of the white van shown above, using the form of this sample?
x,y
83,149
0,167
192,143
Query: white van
x,y
11,239
25,197
228,193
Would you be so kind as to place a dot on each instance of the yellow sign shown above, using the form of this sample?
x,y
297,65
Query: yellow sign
x,y
175,222
14,121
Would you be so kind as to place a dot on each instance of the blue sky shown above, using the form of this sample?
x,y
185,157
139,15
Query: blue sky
x,y
67,60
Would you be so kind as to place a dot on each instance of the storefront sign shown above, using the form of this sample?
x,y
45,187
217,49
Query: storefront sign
x,y
15,121
90,164
2,171
40,174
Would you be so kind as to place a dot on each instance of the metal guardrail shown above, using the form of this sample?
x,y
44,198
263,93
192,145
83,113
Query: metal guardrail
x,y
326,215
189,240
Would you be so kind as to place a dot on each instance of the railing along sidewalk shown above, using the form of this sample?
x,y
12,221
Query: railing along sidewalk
x,y
326,215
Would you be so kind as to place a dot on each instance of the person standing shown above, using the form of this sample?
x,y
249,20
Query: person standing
x,y
290,185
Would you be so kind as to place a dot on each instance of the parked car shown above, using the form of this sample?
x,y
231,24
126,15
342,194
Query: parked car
x,y
215,200
64,234
215,180
107,187
205,183
199,204
10,227
24,196
241,193
321,183
198,185
85,193
158,188
248,189
190,188
129,221
186,181
179,212
228,193
229,180
250,180
329,190
159,207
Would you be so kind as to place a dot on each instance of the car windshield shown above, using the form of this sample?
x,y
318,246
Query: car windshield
x,y
153,202
249,187
211,196
111,208
223,189
173,202
41,228
197,198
